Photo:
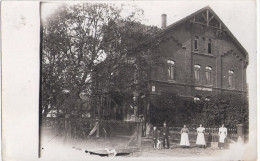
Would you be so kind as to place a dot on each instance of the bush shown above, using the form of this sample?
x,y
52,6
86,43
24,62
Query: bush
x,y
228,108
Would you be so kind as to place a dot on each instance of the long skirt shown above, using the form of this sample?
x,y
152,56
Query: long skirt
x,y
185,140
222,138
200,139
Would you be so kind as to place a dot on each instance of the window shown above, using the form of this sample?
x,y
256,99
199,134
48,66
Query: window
x,y
208,75
197,73
153,88
207,98
196,98
209,46
230,79
196,40
171,64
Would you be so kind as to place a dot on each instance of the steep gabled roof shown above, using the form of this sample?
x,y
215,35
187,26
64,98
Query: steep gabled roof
x,y
224,27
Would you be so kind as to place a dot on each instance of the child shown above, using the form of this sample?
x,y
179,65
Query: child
x,y
158,140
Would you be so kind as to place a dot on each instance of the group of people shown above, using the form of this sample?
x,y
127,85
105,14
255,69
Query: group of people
x,y
157,139
161,138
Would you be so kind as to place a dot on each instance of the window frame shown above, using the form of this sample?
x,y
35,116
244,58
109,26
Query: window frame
x,y
208,75
197,70
196,98
171,69
231,79
196,43
209,46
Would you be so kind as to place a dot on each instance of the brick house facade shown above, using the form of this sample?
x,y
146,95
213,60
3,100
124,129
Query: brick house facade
x,y
200,58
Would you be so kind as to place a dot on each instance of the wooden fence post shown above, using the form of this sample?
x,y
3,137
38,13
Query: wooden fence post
x,y
139,135
67,126
240,132
97,132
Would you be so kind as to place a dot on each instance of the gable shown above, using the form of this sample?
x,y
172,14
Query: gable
x,y
206,17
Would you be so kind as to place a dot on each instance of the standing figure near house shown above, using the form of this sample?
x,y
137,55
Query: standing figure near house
x,y
165,132
200,137
222,136
154,136
185,143
158,140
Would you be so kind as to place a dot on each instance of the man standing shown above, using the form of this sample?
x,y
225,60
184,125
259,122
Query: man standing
x,y
165,132
222,136
154,136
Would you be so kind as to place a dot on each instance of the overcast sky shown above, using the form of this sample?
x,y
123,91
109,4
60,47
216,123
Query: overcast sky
x,y
238,16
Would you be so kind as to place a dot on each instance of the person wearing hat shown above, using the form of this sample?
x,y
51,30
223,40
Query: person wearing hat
x,y
165,132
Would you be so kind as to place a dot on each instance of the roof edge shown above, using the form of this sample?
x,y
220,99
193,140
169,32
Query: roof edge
x,y
170,27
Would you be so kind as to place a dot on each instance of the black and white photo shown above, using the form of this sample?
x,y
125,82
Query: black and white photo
x,y
139,79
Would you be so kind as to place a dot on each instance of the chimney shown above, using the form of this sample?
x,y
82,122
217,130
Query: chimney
x,y
164,21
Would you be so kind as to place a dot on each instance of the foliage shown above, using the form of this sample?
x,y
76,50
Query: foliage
x,y
228,108
126,67
164,108
75,42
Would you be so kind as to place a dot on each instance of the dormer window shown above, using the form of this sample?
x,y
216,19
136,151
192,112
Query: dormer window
x,y
209,46
171,65
196,41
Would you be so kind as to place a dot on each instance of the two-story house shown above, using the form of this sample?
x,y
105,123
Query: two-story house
x,y
200,58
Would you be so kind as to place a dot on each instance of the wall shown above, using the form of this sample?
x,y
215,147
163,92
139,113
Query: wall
x,y
178,45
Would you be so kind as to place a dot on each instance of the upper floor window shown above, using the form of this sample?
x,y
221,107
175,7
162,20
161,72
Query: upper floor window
x,y
196,41
231,79
208,73
197,73
209,46
171,64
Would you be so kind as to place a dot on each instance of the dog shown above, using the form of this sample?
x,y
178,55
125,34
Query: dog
x,y
159,144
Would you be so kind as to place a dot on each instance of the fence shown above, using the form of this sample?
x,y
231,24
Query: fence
x,y
211,134
121,133
102,133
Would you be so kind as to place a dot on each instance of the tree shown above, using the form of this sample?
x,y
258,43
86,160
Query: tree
x,y
75,40
71,47
126,66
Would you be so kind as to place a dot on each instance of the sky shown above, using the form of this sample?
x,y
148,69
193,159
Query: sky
x,y
237,15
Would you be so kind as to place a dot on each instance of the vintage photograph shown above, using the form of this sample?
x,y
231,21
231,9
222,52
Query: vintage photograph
x,y
141,79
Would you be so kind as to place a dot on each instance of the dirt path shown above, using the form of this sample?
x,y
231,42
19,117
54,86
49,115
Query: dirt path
x,y
57,147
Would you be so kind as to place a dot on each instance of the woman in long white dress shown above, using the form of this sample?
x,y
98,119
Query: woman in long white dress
x,y
222,136
200,137
185,137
